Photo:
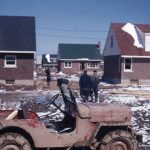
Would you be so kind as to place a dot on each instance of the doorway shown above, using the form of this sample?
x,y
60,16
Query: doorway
x,y
82,66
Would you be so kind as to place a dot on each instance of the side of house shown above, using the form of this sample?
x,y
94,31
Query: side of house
x,y
112,69
16,68
17,48
125,59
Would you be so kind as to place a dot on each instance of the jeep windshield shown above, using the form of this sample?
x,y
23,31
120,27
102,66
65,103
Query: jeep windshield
x,y
68,98
67,124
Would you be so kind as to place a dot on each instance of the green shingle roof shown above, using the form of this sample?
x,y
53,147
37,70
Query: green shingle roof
x,y
78,51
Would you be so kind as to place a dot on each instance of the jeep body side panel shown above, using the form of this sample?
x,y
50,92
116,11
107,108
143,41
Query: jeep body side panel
x,y
83,110
42,137
109,114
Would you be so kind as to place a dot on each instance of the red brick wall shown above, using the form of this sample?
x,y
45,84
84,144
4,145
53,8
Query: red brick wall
x,y
76,68
140,69
24,68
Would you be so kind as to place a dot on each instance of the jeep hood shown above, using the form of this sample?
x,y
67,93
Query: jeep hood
x,y
104,112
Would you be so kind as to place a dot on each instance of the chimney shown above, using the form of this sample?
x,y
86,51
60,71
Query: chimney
x,y
147,42
98,45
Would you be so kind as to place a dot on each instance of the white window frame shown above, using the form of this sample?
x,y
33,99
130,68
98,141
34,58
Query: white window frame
x,y
67,64
92,64
128,70
10,65
54,60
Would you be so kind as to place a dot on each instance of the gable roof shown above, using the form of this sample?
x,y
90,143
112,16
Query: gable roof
x,y
79,51
17,33
125,41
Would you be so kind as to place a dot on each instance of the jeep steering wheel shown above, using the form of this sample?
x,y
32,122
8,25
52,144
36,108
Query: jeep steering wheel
x,y
51,101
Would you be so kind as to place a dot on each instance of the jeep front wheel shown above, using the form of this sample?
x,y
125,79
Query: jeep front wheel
x,y
14,141
118,140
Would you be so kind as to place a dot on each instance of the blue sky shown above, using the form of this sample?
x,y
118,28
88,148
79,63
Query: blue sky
x,y
75,21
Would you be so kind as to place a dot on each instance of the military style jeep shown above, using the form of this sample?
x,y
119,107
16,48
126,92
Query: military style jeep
x,y
85,125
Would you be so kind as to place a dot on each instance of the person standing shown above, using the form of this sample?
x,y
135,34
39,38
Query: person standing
x,y
95,82
48,75
85,84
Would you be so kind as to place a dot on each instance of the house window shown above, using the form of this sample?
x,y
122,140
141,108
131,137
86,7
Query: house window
x,y
67,64
53,60
10,81
10,61
92,65
111,41
127,64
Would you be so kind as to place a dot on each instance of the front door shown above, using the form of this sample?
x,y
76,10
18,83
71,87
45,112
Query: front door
x,y
82,66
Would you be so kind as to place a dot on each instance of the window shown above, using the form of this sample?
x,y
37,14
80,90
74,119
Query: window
x,y
53,60
92,65
128,64
10,61
67,65
10,81
111,41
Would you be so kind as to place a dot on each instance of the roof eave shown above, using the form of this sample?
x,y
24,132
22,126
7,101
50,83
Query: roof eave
x,y
23,52
80,59
134,56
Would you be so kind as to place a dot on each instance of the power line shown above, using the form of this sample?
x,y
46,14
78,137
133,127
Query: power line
x,y
76,37
70,30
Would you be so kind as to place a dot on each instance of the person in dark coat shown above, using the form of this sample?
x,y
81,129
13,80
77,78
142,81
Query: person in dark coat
x,y
85,84
95,83
48,75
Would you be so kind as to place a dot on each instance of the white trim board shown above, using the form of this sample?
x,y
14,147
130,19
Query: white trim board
x,y
80,60
128,56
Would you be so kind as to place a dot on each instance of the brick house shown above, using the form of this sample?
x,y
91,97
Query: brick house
x,y
73,58
50,60
17,48
127,54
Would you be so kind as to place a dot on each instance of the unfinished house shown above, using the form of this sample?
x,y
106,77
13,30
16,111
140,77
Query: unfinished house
x,y
73,58
17,48
127,54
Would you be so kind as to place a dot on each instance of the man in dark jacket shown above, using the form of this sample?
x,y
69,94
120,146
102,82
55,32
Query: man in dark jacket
x,y
48,75
95,83
85,84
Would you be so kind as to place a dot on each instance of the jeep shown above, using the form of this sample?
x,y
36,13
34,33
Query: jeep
x,y
84,125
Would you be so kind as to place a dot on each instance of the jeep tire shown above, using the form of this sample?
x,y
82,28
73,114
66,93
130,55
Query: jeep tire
x,y
14,141
118,140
